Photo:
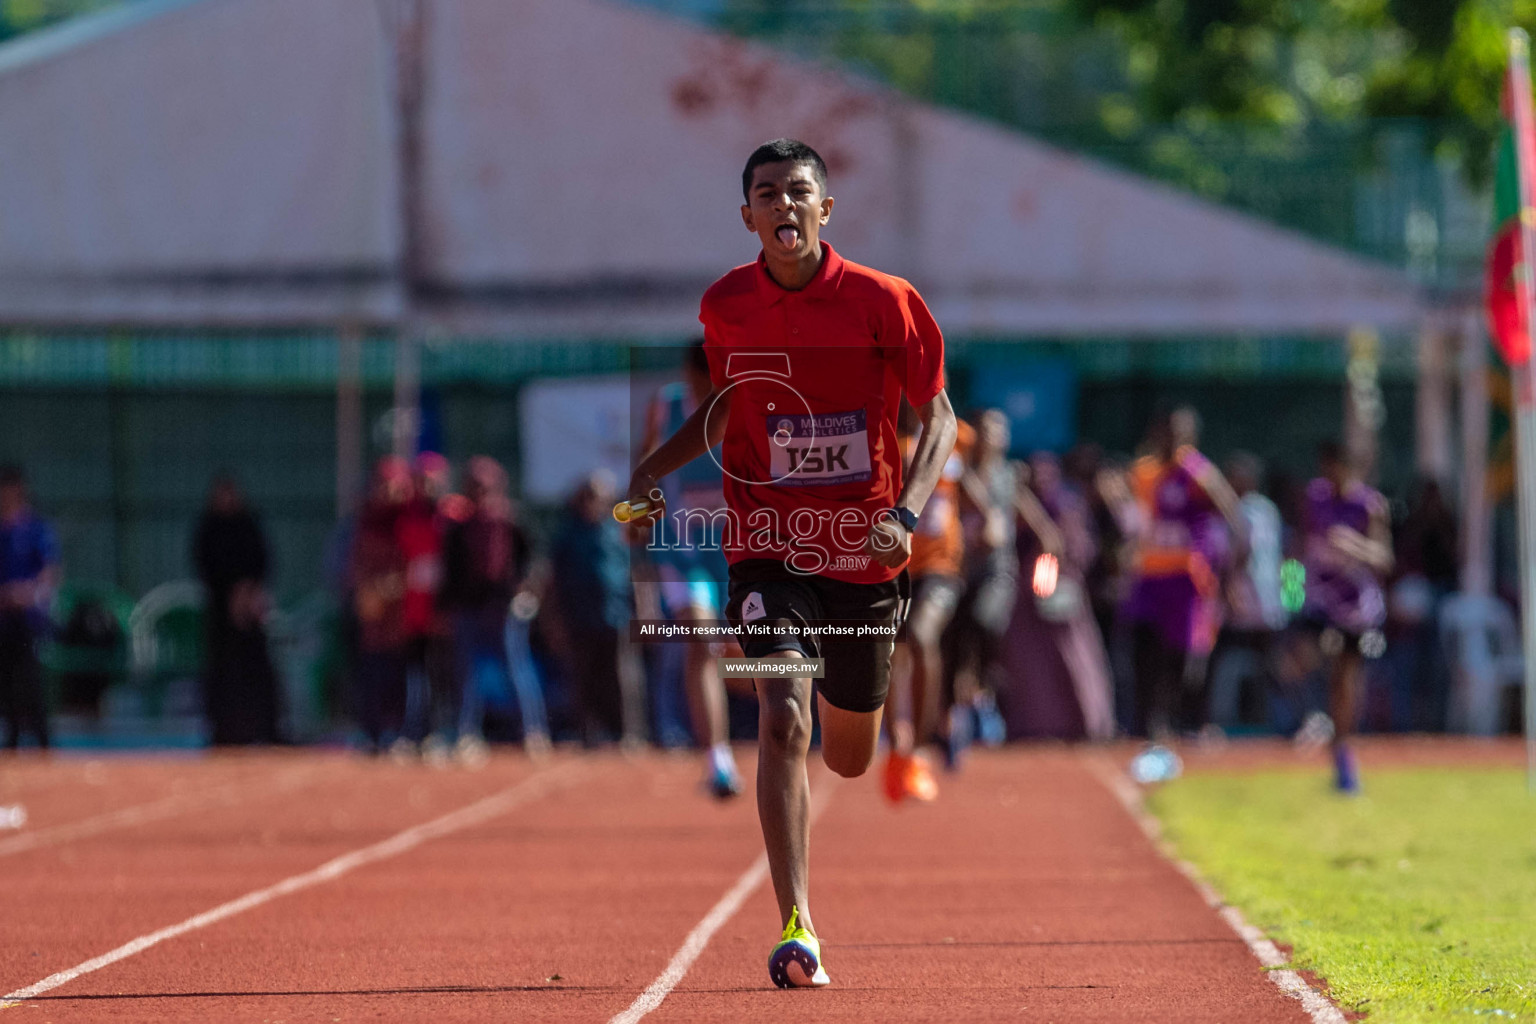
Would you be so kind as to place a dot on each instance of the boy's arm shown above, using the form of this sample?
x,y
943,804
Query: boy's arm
x,y
934,446
1028,508
889,542
698,434
1225,499
1374,548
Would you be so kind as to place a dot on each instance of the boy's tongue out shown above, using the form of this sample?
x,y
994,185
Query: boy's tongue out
x,y
788,236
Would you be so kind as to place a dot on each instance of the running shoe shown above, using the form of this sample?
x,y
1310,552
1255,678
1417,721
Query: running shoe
x,y
471,751
1316,731
14,816
796,961
434,751
991,729
908,775
1346,776
537,746
1156,764
918,780
723,783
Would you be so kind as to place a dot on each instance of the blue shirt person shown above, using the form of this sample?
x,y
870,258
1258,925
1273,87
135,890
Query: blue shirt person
x,y
29,569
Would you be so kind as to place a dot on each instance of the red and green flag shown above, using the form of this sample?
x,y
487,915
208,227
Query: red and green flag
x,y
1508,320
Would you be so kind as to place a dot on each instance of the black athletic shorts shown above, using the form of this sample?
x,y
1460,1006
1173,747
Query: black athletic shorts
x,y
858,672
937,589
1332,639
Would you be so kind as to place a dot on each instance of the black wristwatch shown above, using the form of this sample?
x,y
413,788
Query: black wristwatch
x,y
905,516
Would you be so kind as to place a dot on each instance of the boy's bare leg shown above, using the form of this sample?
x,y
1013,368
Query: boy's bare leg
x,y
917,673
784,789
849,739
1344,694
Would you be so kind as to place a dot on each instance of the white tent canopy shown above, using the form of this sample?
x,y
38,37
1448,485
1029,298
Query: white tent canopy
x,y
233,162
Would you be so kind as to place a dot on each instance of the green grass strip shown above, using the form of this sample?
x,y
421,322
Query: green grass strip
x,y
1416,900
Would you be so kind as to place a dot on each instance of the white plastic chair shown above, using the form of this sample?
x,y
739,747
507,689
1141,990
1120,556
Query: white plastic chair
x,y
1482,643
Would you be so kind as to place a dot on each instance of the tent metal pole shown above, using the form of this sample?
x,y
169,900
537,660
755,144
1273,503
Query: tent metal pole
x,y
410,83
349,417
1476,527
1524,383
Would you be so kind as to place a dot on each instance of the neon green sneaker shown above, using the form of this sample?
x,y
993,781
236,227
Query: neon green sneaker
x,y
796,961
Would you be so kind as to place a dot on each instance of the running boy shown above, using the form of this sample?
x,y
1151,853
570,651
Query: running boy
x,y
1348,553
810,356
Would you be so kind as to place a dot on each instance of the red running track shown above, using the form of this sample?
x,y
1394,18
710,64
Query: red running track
x,y
1025,893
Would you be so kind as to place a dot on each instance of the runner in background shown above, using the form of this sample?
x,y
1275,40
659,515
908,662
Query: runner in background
x,y
917,668
990,567
1347,555
686,551
1174,606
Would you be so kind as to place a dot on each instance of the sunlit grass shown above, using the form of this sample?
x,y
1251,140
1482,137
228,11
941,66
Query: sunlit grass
x,y
1416,900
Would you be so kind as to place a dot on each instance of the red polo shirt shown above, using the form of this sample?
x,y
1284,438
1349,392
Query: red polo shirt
x,y
816,378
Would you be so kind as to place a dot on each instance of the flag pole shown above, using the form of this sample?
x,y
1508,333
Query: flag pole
x,y
1521,378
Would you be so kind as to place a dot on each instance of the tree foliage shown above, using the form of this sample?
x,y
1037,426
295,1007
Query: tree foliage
x,y
18,16
1290,64
1277,105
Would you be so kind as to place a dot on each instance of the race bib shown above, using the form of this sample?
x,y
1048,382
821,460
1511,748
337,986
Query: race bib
x,y
820,449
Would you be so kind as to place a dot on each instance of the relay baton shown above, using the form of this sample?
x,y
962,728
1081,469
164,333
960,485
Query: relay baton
x,y
629,511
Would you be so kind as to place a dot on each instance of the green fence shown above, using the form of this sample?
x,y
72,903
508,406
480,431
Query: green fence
x,y
122,435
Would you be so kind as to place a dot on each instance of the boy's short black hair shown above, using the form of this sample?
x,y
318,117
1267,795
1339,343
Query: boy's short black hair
x,y
779,151
1330,453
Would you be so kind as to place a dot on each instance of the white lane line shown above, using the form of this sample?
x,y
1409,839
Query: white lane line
x,y
156,810
480,811
1318,1006
705,930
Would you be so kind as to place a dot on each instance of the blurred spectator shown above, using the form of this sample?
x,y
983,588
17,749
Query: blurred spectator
x,y
1426,574
1058,654
377,583
339,682
917,669
1116,520
29,573
239,682
93,646
1174,605
973,643
486,560
429,661
1255,613
591,598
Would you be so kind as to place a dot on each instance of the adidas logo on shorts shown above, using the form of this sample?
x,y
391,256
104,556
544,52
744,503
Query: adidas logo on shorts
x,y
752,608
